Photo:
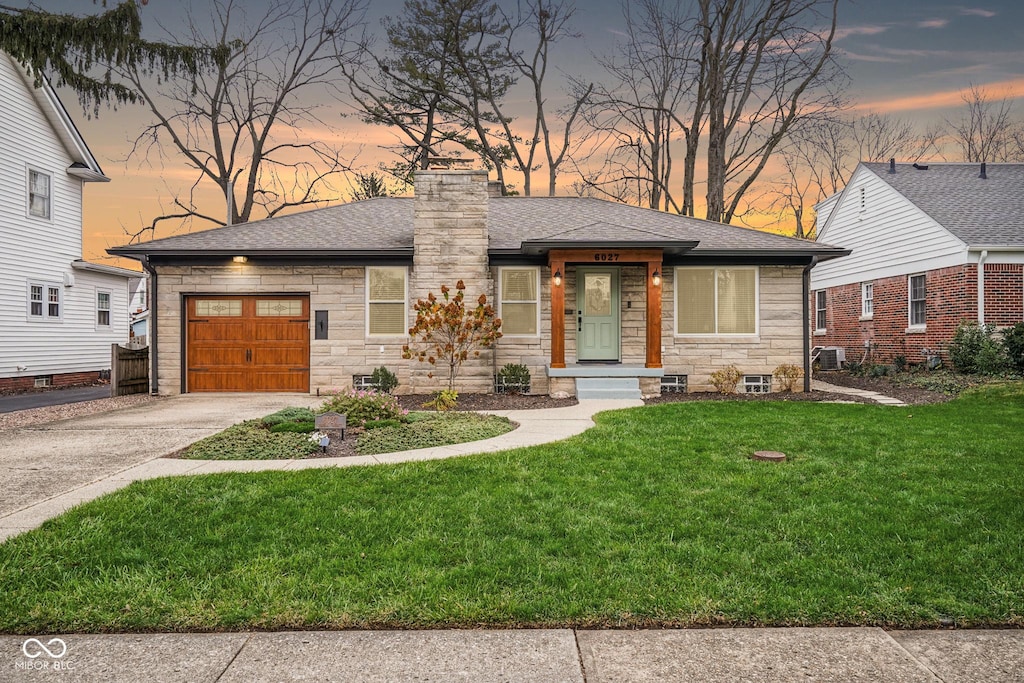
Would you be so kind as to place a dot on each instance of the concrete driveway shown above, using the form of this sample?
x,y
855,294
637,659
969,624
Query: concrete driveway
x,y
43,461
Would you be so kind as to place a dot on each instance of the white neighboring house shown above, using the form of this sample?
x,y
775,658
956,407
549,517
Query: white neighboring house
x,y
59,315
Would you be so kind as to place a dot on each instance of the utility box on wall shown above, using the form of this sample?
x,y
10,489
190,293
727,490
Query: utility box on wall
x,y
320,325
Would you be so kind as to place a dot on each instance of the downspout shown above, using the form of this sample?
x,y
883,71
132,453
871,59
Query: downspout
x,y
981,286
154,389
807,322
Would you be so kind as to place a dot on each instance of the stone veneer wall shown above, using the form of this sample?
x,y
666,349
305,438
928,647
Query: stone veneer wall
x,y
780,339
341,291
450,244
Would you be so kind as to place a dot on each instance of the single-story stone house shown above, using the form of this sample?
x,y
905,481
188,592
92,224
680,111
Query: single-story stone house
x,y
596,298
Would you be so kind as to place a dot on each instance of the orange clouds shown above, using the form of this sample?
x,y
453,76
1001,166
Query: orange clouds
x,y
1011,89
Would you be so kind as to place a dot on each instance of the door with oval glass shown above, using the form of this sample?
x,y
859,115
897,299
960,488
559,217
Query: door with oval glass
x,y
597,314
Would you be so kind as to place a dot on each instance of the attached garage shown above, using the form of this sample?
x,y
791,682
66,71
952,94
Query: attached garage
x,y
247,343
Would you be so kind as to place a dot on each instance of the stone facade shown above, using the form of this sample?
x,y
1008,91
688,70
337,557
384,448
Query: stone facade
x,y
951,297
451,243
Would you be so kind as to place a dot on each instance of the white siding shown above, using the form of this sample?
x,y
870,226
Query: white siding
x,y
889,237
39,250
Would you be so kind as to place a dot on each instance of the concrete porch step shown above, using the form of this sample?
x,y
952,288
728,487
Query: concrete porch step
x,y
607,387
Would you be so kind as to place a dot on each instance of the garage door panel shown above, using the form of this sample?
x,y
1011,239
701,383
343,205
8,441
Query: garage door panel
x,y
219,331
251,343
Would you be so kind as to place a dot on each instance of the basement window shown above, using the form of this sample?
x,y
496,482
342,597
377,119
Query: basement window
x,y
757,384
43,381
673,384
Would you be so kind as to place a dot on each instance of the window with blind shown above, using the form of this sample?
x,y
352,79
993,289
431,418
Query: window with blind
x,y
716,301
386,306
519,301
44,301
38,194
918,292
103,309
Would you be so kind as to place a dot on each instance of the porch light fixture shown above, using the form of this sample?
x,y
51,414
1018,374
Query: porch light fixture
x,y
558,278
656,278
239,259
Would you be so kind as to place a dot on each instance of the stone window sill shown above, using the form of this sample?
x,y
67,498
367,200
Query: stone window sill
x,y
820,333
866,318
917,329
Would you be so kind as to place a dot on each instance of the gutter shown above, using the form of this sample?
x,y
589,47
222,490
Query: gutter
x,y
807,321
154,388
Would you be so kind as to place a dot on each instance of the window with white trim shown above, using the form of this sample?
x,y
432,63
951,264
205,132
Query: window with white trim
x,y
386,301
38,194
917,295
820,312
44,301
519,305
102,308
716,301
867,299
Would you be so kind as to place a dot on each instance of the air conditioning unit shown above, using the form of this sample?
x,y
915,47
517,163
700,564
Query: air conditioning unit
x,y
832,357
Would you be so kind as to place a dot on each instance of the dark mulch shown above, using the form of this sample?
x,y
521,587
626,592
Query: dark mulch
x,y
474,402
885,385
813,396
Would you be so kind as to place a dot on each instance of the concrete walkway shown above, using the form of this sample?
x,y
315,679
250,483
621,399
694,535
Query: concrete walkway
x,y
818,385
555,655
53,467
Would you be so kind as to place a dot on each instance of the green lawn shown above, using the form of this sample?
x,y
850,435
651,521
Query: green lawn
x,y
888,516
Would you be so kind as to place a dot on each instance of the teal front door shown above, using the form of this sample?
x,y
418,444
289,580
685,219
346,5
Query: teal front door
x,y
597,311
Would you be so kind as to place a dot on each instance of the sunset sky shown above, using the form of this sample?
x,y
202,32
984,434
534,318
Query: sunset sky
x,y
907,57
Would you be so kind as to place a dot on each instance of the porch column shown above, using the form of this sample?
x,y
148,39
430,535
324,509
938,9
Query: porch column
x,y
557,314
654,314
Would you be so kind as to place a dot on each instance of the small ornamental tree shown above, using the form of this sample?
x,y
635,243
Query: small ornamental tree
x,y
446,332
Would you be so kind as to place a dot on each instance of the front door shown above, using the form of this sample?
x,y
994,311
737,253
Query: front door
x,y
597,324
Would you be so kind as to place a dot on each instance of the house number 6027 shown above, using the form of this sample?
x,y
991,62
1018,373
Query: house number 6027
x,y
606,257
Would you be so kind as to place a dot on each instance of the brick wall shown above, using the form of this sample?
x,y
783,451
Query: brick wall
x,y
952,296
67,379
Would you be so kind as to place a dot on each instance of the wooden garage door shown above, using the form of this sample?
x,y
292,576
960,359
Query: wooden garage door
x,y
247,343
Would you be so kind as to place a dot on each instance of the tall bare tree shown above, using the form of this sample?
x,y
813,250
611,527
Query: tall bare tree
x,y
765,65
244,122
985,130
636,114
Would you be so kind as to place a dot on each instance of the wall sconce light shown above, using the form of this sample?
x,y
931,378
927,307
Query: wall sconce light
x,y
239,259
558,278
656,278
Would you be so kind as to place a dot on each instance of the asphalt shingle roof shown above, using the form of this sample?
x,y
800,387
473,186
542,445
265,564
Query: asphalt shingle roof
x,y
984,212
387,223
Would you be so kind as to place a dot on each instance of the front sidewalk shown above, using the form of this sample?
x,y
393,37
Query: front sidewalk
x,y
572,656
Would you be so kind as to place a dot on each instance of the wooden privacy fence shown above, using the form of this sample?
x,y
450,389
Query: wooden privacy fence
x,y
129,370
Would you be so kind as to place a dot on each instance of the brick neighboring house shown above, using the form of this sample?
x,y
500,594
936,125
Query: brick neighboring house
x,y
596,298
932,246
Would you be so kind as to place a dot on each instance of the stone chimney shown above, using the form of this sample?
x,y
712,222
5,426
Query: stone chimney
x,y
450,244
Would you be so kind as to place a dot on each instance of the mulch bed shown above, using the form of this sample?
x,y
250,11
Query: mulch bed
x,y
475,402
884,385
812,396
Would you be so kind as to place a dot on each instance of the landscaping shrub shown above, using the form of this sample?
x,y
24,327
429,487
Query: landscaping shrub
x,y
513,378
440,430
362,406
974,350
879,370
726,379
378,424
899,363
1013,344
250,441
444,400
787,375
384,380
294,427
288,415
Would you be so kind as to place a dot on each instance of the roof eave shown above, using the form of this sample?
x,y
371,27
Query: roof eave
x,y
140,252
541,247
